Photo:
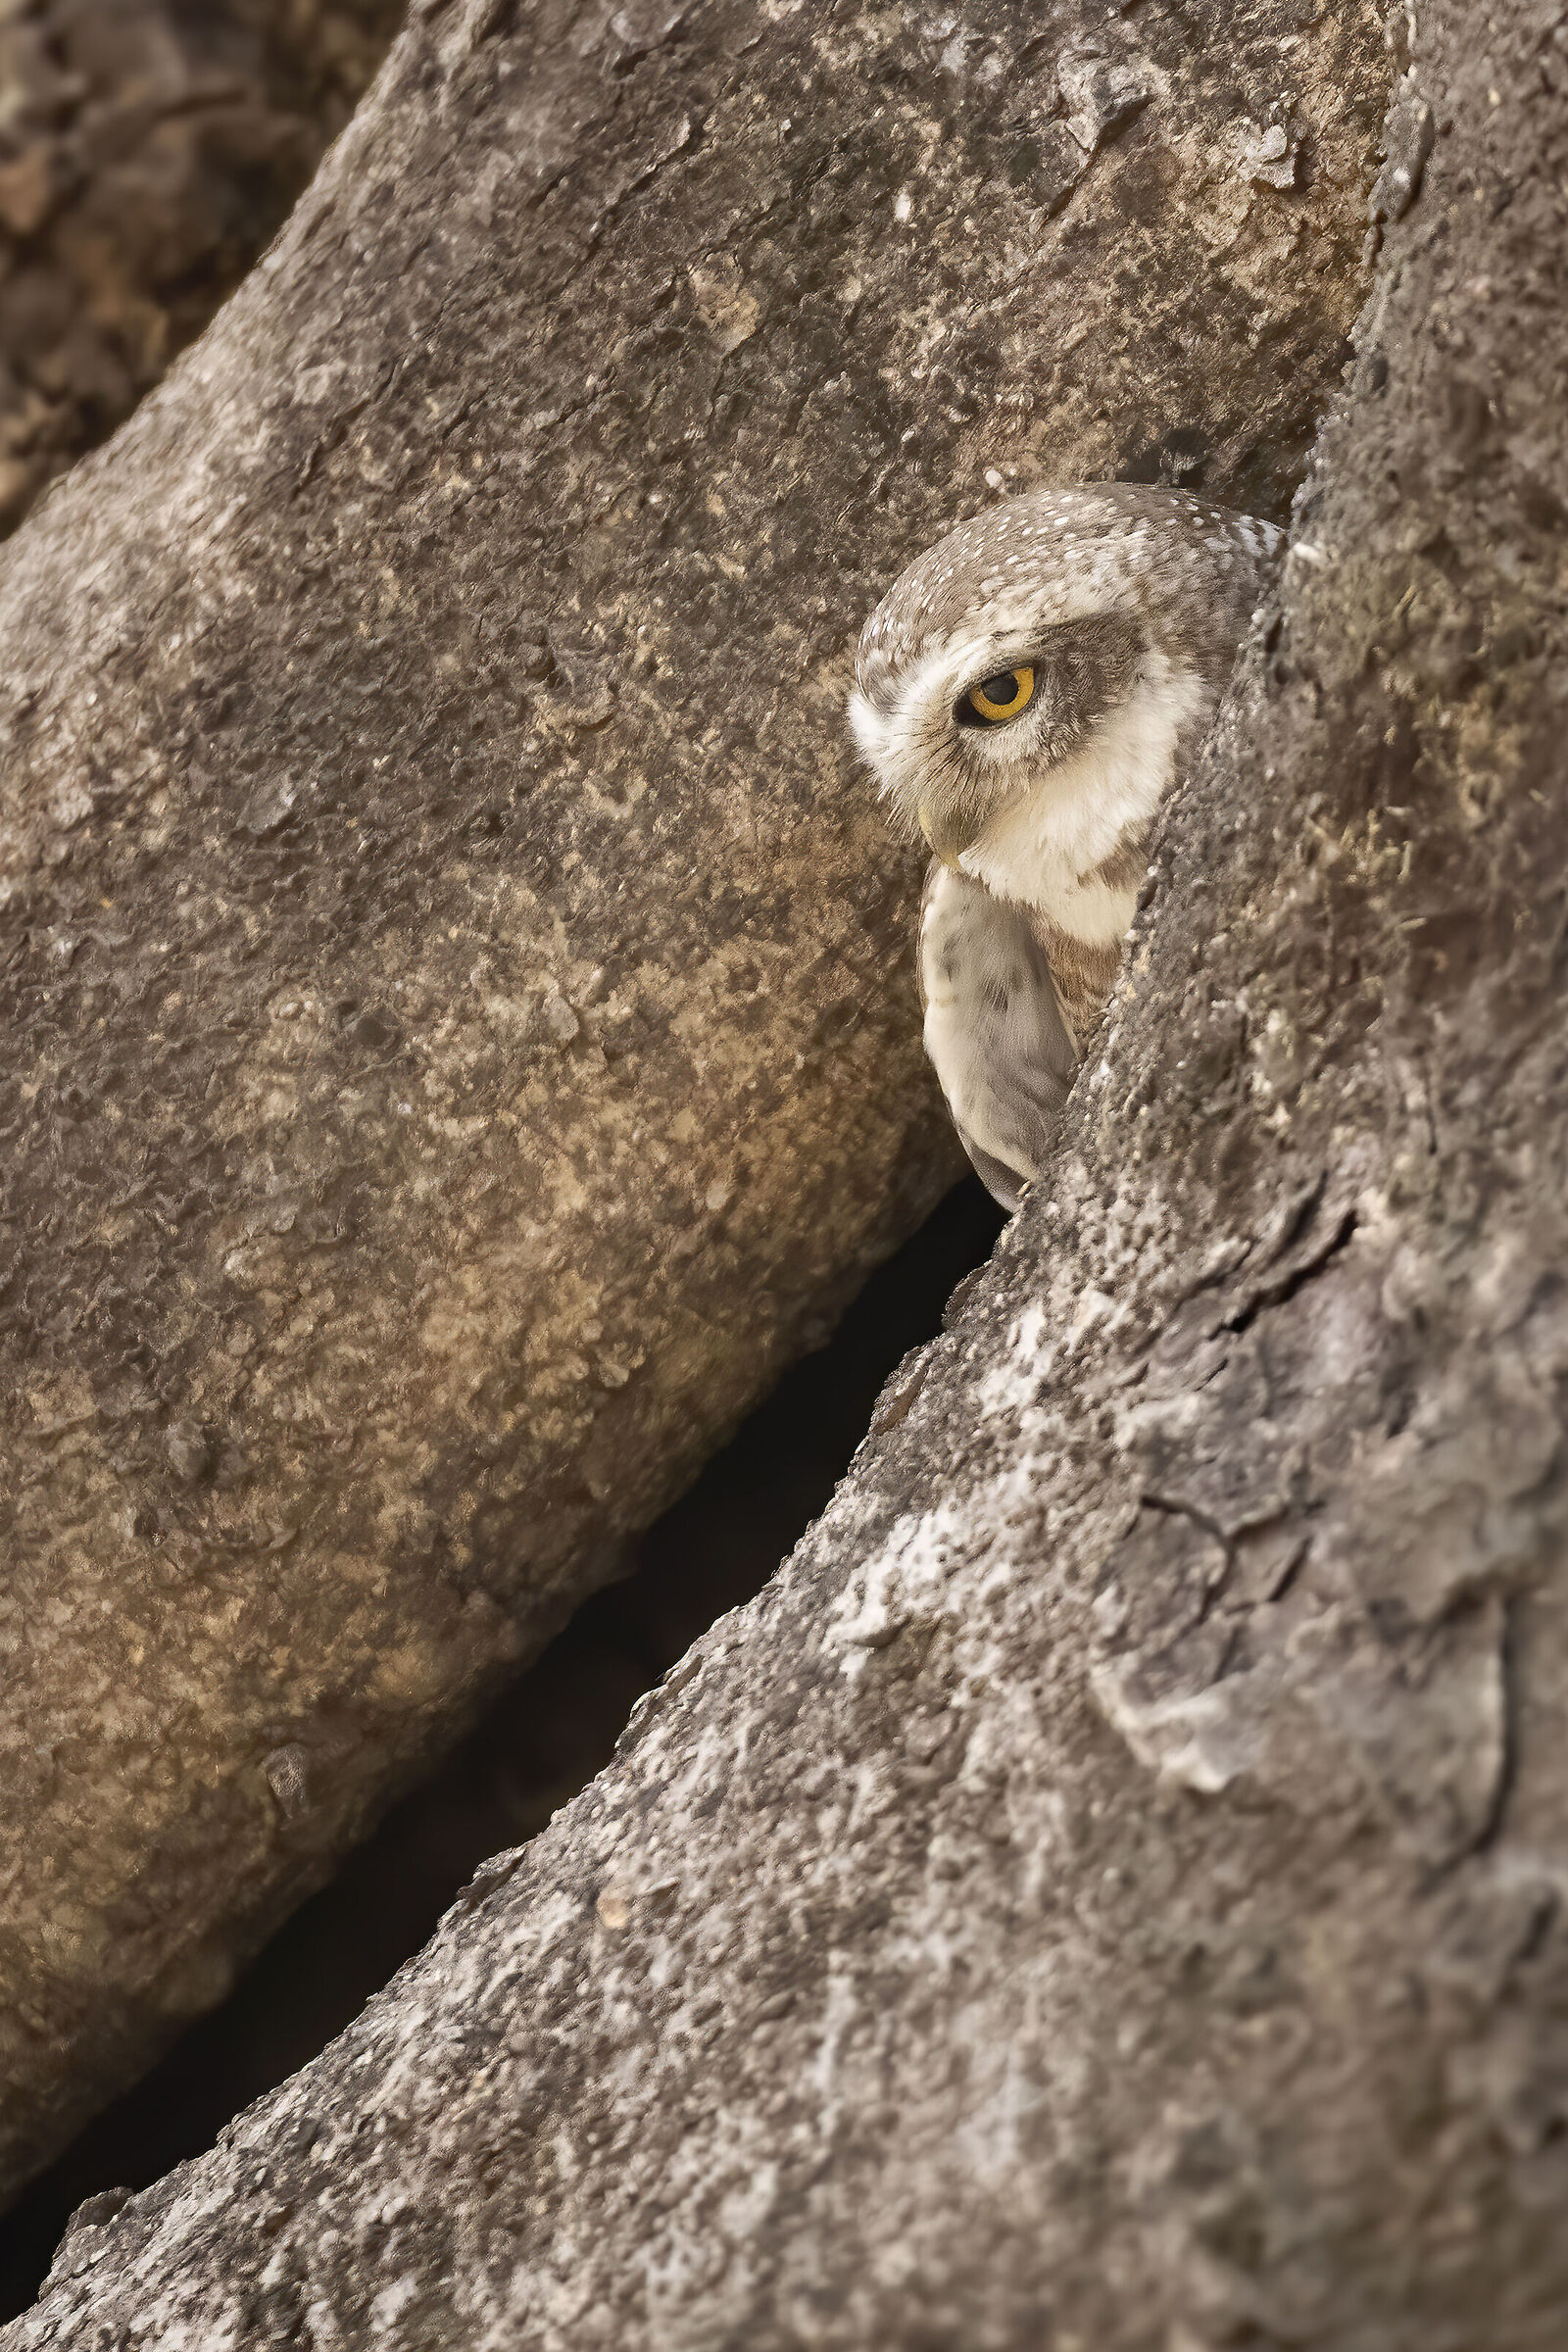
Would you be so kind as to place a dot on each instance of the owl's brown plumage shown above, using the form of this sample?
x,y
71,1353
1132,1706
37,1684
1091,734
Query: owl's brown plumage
x,y
1026,692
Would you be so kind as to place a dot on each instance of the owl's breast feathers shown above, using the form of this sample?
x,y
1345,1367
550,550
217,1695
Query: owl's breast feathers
x,y
1011,996
1083,971
994,1026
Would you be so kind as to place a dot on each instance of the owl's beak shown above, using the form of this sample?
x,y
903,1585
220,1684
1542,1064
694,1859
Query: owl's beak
x,y
947,838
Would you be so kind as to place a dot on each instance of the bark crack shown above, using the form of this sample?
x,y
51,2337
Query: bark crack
x,y
1280,1290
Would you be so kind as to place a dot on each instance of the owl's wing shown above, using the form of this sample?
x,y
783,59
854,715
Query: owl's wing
x,y
993,1028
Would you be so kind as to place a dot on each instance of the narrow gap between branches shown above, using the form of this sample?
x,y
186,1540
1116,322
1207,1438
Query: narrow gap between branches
x,y
542,1741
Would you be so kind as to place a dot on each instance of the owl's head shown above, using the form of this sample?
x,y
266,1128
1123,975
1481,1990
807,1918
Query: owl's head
x,y
1050,641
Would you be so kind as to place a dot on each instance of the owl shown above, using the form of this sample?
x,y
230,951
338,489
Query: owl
x,y
1025,695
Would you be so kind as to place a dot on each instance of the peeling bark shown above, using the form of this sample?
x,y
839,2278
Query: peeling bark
x,y
460,1036
1108,1890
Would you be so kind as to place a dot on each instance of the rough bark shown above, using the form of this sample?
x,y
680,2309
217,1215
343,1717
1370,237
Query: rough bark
x,y
148,151
1108,1890
459,1032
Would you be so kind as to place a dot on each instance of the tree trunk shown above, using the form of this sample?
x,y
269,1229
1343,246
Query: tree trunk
x,y
1107,1889
462,1030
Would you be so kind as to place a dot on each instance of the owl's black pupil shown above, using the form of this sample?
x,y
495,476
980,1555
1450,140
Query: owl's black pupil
x,y
1001,689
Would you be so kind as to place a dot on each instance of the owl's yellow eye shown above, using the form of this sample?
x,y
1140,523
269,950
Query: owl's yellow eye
x,y
1002,697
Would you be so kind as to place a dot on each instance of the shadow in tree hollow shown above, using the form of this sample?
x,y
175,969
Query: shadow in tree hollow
x,y
541,1742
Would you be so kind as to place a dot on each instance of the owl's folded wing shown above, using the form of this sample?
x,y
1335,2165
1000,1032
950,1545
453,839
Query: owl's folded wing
x,y
993,1028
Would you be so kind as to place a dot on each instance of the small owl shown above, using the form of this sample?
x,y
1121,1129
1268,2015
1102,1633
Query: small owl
x,y
1026,694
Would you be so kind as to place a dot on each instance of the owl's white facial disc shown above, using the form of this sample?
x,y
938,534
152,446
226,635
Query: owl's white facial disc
x,y
1048,847
1121,606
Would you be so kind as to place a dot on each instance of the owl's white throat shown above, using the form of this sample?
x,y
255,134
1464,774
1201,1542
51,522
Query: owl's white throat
x,y
1043,848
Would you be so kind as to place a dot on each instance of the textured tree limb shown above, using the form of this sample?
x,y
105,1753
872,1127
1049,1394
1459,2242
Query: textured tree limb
x,y
460,1040
1108,1890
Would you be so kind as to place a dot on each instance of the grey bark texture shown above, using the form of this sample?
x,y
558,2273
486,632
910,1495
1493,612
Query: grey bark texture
x,y
1109,1892
461,1037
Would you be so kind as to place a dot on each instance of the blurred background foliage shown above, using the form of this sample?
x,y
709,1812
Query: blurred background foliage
x,y
149,150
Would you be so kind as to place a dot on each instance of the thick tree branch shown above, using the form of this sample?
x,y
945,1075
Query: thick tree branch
x,y
461,1039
